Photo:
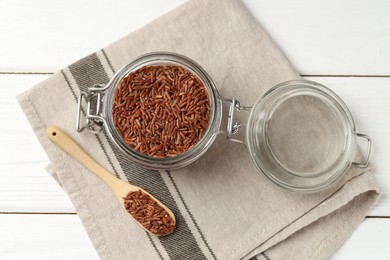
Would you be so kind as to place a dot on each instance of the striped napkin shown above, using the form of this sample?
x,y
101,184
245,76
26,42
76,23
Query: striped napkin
x,y
225,208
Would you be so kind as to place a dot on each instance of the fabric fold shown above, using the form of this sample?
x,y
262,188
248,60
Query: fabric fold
x,y
225,208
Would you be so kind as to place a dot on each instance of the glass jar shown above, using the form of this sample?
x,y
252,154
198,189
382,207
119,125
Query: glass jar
x,y
102,115
294,157
302,136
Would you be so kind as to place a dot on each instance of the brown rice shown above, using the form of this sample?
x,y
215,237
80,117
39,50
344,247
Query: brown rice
x,y
161,111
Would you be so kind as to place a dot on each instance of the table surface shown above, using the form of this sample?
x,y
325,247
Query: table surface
x,y
344,45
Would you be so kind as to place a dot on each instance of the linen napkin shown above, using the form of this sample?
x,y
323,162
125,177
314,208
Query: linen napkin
x,y
225,208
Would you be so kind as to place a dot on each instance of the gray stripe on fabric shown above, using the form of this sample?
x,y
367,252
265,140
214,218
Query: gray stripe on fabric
x,y
266,257
191,216
97,137
108,60
179,245
154,245
108,158
88,71
71,89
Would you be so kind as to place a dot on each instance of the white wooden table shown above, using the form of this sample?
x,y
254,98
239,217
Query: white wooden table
x,y
342,44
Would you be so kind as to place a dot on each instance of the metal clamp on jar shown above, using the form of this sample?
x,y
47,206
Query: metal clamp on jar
x,y
299,134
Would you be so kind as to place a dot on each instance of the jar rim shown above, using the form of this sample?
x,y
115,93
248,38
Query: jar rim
x,y
262,155
187,157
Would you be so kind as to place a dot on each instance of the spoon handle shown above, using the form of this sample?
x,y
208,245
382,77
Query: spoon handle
x,y
67,144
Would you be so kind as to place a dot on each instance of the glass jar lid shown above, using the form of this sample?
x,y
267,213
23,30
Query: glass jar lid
x,y
301,135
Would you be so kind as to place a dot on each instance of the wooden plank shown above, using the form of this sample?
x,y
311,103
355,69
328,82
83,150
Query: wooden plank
x,y
370,241
44,237
25,187
24,184
46,36
319,37
329,37
63,237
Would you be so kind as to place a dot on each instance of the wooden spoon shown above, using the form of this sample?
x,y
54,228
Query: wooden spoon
x,y
120,188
